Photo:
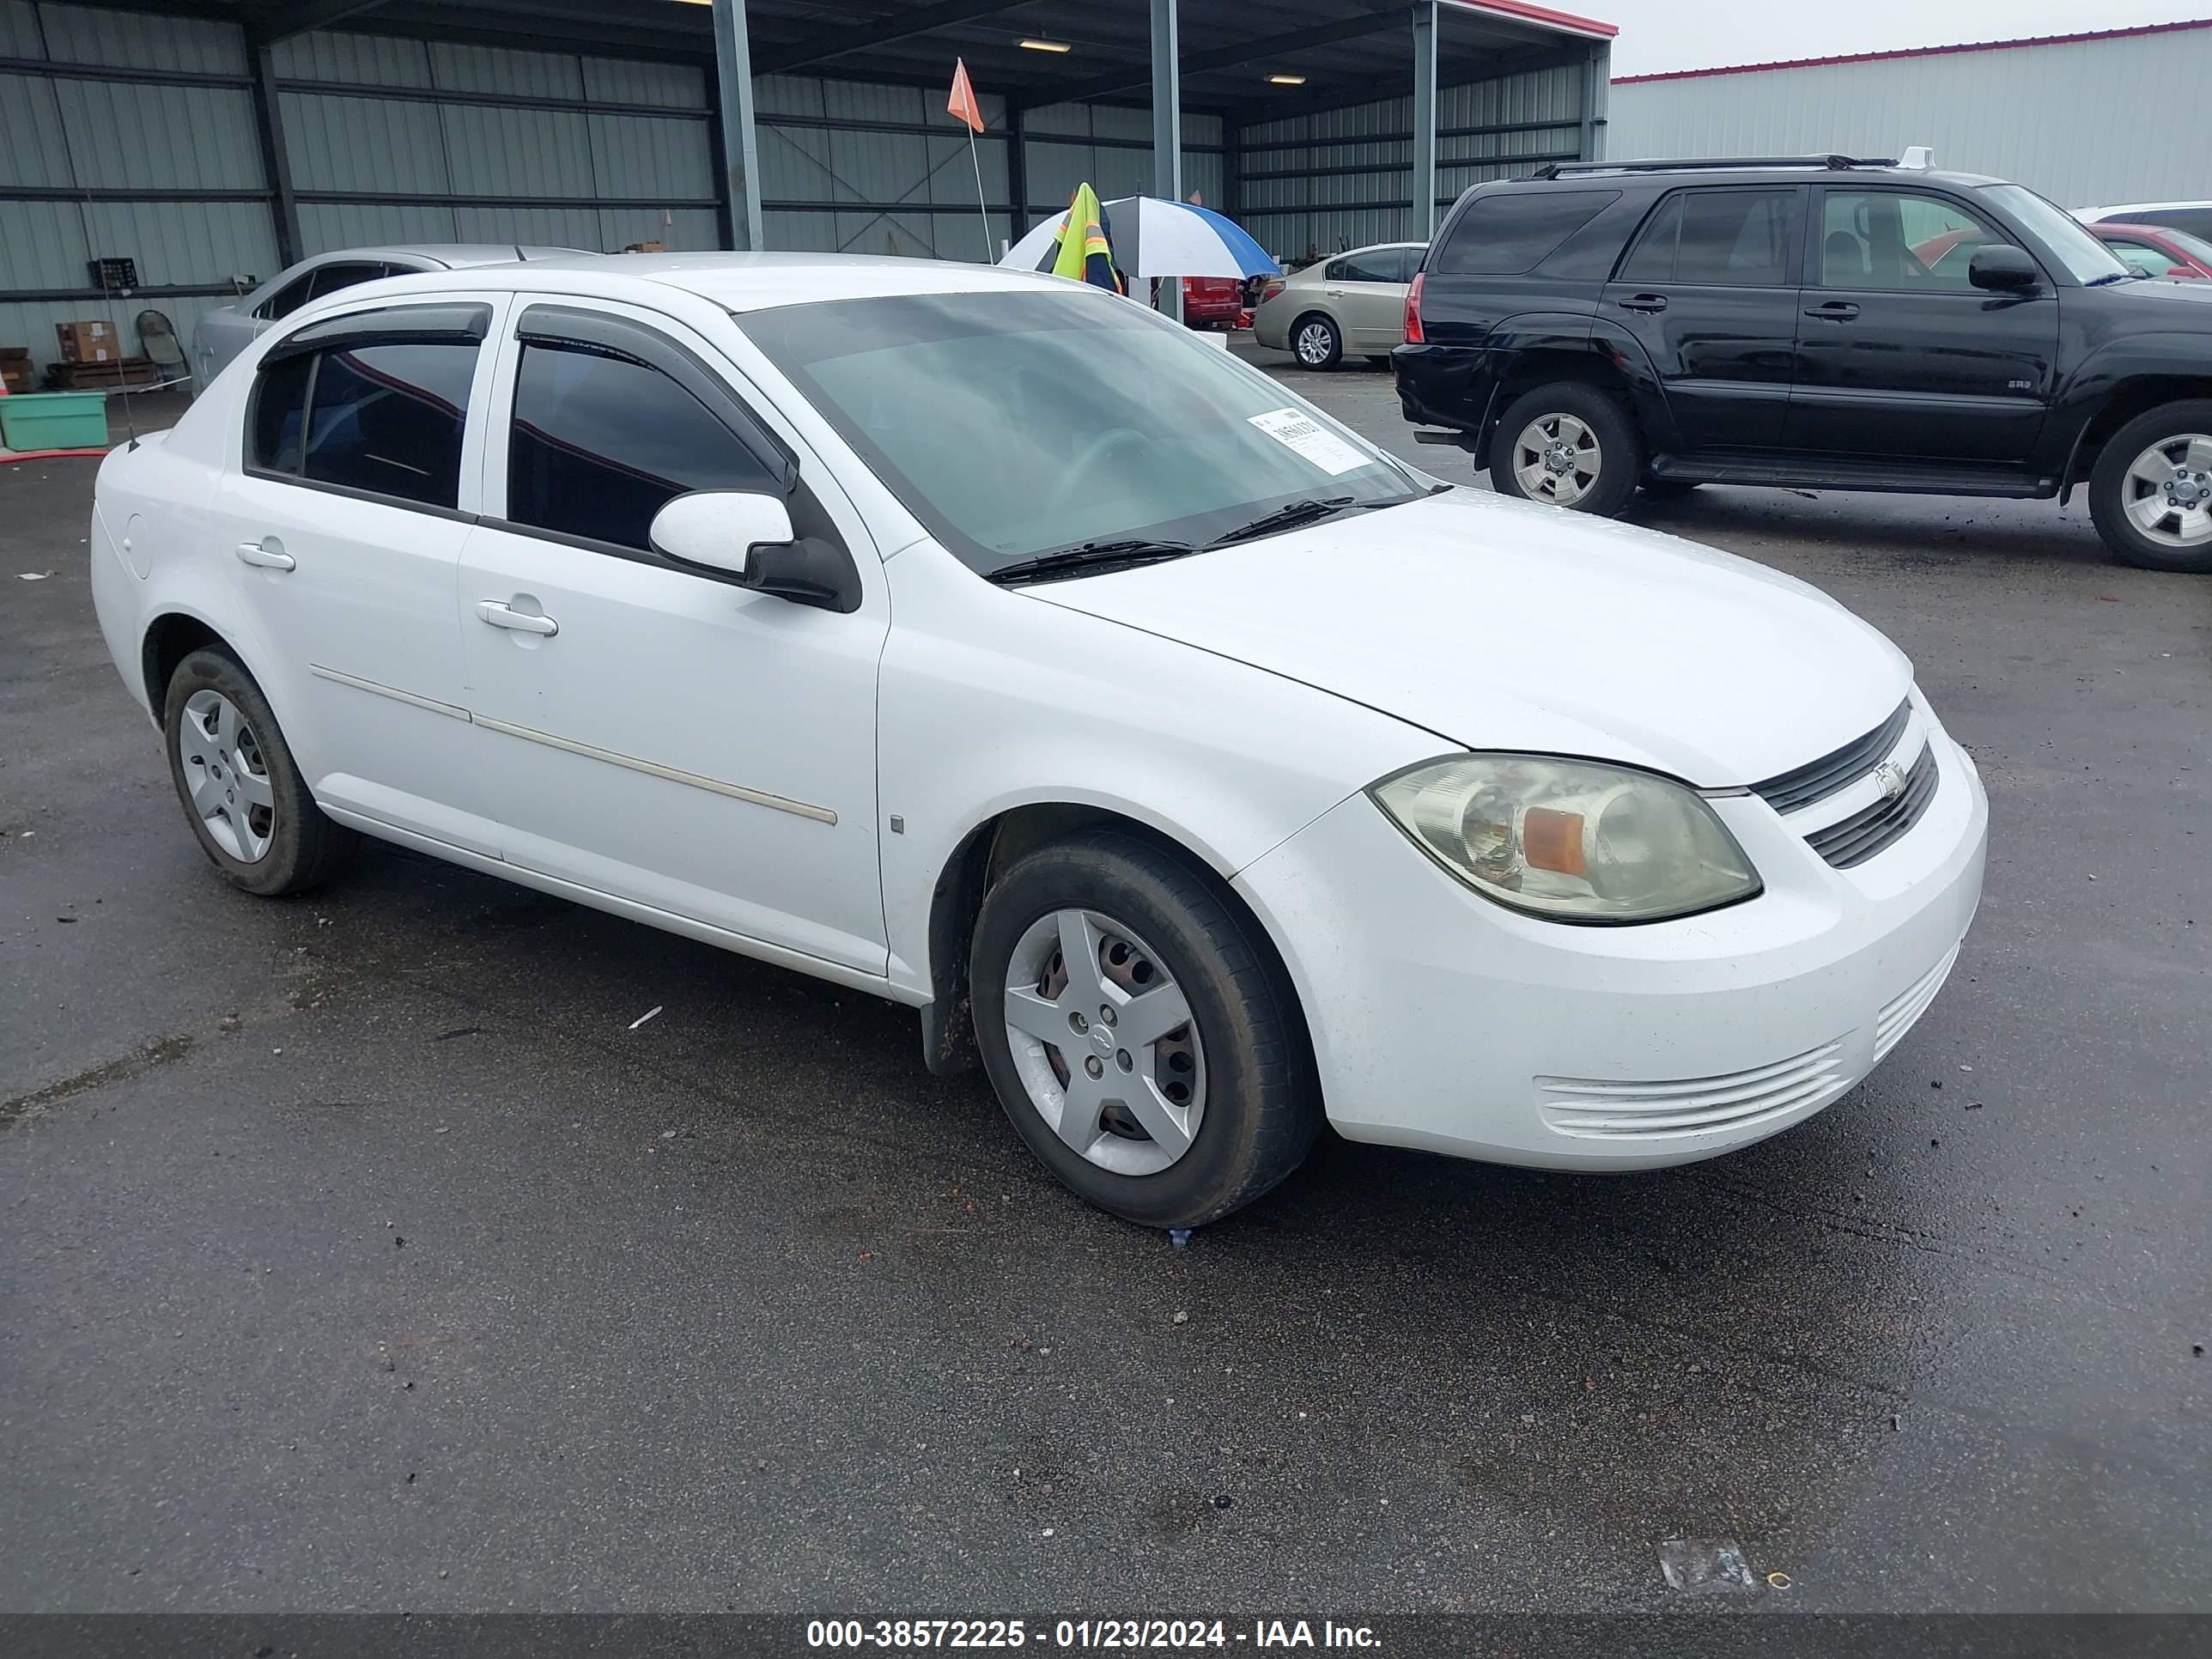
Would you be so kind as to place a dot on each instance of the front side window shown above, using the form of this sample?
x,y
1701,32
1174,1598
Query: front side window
x,y
1886,239
2198,221
602,442
1015,424
385,418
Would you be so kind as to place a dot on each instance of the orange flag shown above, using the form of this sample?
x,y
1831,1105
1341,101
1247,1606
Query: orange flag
x,y
962,102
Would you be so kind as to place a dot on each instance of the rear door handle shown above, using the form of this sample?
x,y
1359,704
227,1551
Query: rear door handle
x,y
1334,293
265,556
1834,311
501,615
1644,302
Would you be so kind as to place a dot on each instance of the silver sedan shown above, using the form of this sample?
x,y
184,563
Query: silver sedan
x,y
1350,303
225,331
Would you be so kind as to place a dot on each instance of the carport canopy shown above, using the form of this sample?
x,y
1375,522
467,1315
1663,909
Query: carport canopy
x,y
1244,61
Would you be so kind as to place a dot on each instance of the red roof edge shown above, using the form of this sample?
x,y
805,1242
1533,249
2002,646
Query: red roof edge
x,y
1919,52
1526,12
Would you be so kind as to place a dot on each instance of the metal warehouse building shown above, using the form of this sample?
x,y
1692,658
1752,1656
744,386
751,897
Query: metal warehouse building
x,y
2120,115
213,140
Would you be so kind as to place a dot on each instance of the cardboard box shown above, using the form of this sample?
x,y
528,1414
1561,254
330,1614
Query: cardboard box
x,y
88,342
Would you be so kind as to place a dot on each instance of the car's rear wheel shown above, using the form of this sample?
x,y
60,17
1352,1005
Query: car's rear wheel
x,y
1145,1041
1315,341
1570,446
2150,492
241,790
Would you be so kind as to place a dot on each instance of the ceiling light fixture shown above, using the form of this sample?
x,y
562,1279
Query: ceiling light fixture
x,y
1028,45
1286,80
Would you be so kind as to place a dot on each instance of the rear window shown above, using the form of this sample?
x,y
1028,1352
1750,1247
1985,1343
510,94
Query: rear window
x,y
1506,234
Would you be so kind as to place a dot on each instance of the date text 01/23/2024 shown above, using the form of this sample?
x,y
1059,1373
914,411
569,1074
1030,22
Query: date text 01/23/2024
x,y
1094,1635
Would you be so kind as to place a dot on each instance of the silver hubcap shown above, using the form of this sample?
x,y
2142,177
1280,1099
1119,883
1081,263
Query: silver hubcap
x,y
1104,1042
2168,490
1556,459
226,777
1314,341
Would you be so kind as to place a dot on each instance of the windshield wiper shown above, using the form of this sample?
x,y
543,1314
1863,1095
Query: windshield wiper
x,y
1289,517
2116,276
1094,557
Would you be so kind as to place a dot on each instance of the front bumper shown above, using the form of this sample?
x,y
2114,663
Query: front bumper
x,y
1445,1021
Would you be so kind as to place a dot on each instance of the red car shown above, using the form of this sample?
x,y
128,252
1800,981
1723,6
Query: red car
x,y
1212,301
2158,250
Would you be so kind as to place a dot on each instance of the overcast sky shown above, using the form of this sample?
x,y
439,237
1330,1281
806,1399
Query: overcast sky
x,y
1675,34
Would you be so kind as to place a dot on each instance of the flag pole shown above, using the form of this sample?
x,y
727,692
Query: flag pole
x,y
982,208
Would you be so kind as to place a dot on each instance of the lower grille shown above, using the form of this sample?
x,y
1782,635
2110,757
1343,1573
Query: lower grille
x,y
1626,1111
1857,838
1902,1011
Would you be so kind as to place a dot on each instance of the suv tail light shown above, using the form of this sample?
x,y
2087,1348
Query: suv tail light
x,y
1413,310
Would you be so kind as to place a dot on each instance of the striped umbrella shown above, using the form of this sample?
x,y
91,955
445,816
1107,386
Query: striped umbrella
x,y
1155,237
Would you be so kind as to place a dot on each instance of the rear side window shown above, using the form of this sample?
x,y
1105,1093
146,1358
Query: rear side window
x,y
1506,234
601,442
332,277
388,419
1727,238
1382,265
381,416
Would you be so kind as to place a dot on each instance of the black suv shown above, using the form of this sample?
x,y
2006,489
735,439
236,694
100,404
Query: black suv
x,y
1818,321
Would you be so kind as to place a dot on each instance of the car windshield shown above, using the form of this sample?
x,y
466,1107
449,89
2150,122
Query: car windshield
x,y
2195,247
2086,259
1021,423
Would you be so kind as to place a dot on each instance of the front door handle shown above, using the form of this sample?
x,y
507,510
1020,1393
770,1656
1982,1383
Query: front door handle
x,y
1834,311
501,615
265,556
1644,302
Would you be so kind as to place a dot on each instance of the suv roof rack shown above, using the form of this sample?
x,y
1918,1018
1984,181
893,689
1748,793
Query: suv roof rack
x,y
1715,163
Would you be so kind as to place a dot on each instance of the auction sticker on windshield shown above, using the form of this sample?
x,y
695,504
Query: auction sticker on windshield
x,y
1323,448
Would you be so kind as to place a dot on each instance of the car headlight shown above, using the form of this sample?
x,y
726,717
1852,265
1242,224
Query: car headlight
x,y
1570,840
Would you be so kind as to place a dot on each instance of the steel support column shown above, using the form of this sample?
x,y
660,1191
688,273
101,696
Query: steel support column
x,y
1017,168
1424,121
276,158
1597,85
733,79
1167,130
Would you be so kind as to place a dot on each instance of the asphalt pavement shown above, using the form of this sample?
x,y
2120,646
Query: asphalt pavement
x,y
360,1253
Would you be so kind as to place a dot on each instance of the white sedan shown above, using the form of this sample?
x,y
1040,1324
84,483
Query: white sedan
x,y
986,642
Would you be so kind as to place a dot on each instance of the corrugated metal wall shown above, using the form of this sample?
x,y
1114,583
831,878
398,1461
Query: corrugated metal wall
x,y
850,167
1112,149
2085,122
424,141
94,163
1343,179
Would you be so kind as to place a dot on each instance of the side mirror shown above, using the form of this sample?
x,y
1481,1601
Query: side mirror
x,y
2183,273
749,537
2003,269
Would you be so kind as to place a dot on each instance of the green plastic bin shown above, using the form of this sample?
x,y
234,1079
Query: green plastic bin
x,y
54,419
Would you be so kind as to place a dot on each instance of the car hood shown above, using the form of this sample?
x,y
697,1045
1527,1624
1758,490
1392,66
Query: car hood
x,y
2159,291
1498,624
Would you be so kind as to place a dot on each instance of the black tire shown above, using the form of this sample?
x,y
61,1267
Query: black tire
x,y
1620,446
1262,1107
1330,339
306,848
2110,490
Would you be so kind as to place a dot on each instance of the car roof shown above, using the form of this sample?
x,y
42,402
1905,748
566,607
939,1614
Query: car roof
x,y
753,282
455,255
1604,174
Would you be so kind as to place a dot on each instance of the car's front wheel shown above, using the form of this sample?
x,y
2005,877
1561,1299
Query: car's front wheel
x,y
1315,341
1144,1040
241,790
2150,492
1567,445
